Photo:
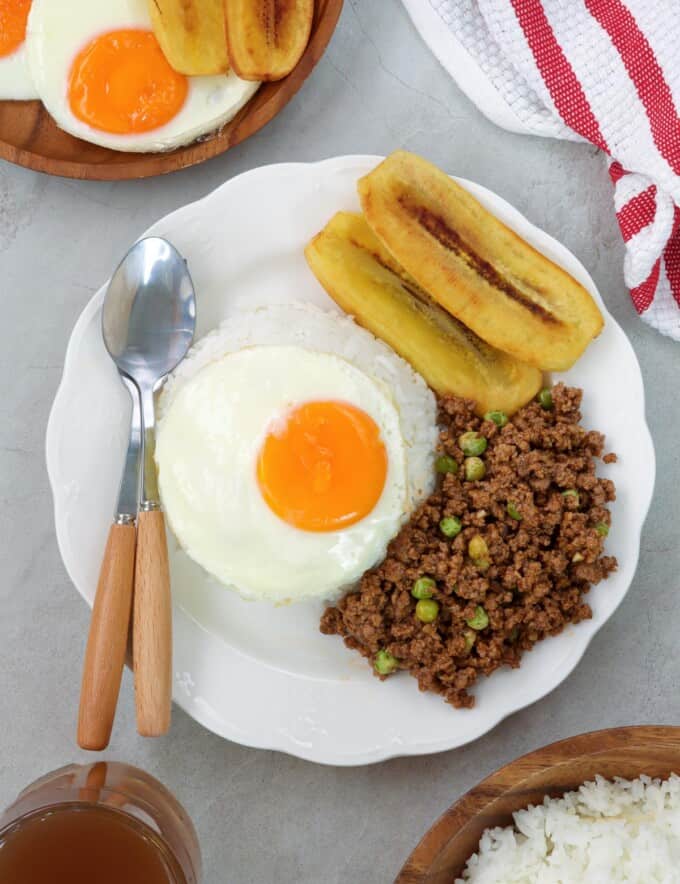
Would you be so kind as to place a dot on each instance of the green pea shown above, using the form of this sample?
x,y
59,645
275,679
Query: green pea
x,y
545,399
514,635
602,529
474,469
450,526
423,588
472,443
477,548
572,492
480,620
513,512
500,418
446,464
470,637
427,610
385,663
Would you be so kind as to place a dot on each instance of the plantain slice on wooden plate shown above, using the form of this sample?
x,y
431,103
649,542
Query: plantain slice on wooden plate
x,y
475,267
267,37
192,35
365,281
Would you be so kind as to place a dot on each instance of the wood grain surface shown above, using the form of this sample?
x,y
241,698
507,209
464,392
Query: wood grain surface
x,y
558,768
29,136
107,641
152,627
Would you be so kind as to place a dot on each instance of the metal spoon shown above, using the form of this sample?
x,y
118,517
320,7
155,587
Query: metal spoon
x,y
110,623
148,323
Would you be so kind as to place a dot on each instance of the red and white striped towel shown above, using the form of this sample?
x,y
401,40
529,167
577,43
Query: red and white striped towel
x,y
603,71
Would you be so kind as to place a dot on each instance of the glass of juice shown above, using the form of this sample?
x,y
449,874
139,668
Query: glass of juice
x,y
105,822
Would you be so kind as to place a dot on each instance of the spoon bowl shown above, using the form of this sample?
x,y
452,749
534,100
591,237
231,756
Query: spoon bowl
x,y
149,314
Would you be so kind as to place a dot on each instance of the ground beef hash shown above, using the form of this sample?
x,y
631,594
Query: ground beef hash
x,y
538,569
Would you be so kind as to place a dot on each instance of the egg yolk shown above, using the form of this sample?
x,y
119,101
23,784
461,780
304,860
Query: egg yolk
x,y
324,468
13,18
122,83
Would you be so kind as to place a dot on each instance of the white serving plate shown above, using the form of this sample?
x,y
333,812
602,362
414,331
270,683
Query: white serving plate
x,y
265,676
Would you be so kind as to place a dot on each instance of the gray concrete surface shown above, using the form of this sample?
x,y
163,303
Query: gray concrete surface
x,y
264,817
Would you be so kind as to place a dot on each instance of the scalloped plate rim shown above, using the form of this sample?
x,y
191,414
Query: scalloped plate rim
x,y
277,740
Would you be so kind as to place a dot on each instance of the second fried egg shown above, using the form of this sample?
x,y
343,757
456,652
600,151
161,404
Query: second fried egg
x,y
101,74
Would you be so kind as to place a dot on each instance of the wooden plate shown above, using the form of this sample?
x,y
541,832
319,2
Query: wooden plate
x,y
625,752
29,136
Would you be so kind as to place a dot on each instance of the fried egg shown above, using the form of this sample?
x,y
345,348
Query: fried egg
x,y
15,79
102,76
284,469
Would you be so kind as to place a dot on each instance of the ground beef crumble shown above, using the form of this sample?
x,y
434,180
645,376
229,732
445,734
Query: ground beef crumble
x,y
538,569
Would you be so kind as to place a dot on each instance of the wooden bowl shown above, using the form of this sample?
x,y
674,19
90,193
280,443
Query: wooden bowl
x,y
30,137
561,767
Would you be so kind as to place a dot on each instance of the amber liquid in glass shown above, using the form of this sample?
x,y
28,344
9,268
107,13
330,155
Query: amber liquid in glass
x,y
83,843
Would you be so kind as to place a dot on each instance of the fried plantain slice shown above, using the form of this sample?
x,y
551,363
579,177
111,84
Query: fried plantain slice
x,y
267,37
365,281
192,35
478,269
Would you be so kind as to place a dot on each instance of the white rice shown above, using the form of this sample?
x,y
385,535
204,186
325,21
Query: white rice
x,y
606,832
308,326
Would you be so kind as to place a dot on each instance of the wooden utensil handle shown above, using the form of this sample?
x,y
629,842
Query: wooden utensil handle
x,y
107,641
152,627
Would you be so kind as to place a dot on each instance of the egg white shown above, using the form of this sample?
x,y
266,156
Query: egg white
x,y
15,79
55,35
207,447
